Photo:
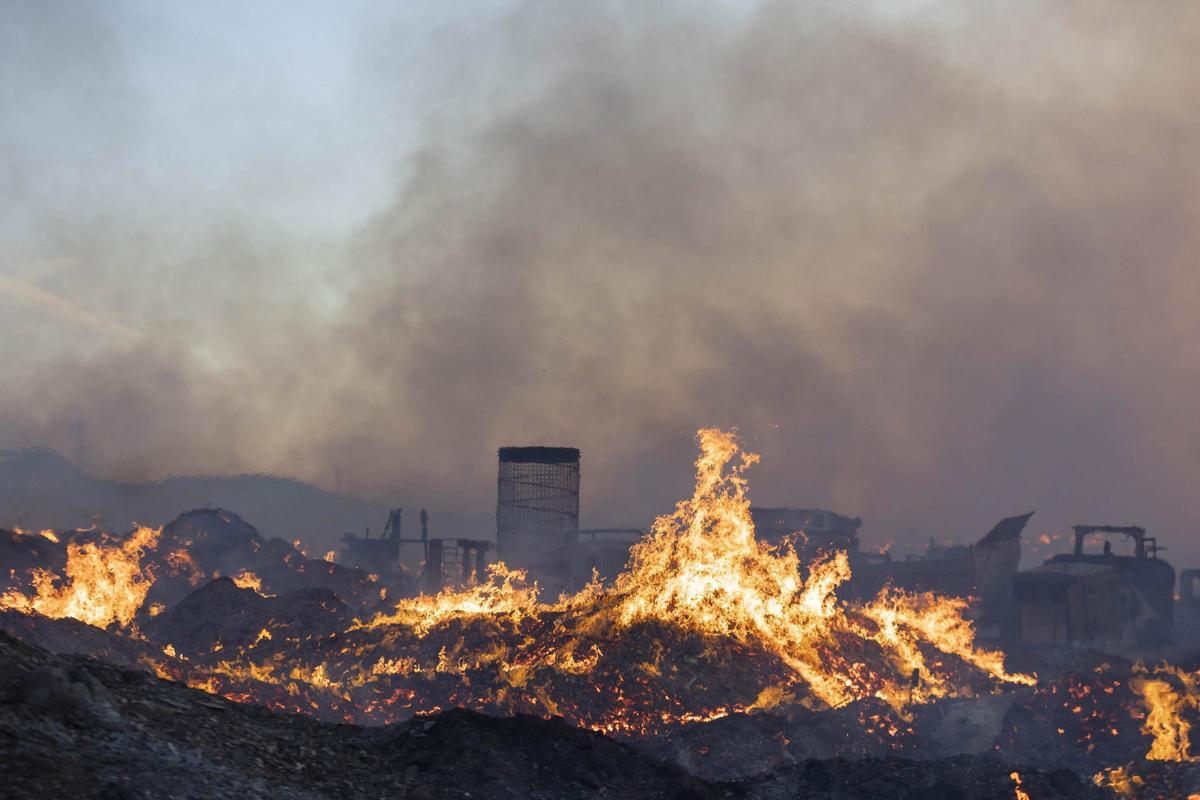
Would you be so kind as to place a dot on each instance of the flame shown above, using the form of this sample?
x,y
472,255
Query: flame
x,y
702,568
505,592
700,583
1020,793
1164,705
700,594
47,534
248,580
180,562
104,583
1119,780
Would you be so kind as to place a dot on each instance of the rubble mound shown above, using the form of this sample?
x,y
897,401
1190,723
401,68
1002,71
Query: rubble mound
x,y
22,552
211,542
746,745
71,637
74,727
217,539
220,613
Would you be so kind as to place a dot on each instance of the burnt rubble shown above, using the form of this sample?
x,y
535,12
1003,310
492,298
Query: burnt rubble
x,y
713,666
220,614
74,727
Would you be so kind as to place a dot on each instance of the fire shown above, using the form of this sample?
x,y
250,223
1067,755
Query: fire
x,y
105,582
699,590
181,562
1119,780
248,580
705,621
1164,705
505,592
46,534
702,568
1020,793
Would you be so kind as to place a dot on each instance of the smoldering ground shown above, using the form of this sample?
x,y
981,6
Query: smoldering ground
x,y
936,265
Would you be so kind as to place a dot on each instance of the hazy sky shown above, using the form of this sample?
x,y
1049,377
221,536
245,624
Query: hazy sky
x,y
934,259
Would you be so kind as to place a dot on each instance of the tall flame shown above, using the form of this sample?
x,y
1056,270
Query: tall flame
x,y
703,568
1164,705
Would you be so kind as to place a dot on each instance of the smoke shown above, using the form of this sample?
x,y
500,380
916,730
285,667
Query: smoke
x,y
937,267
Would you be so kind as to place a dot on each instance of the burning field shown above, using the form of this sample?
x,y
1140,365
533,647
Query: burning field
x,y
730,658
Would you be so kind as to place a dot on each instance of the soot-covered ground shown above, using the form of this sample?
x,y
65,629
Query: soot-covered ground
x,y
74,727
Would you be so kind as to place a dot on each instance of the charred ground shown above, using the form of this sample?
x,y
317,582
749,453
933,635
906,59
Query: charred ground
x,y
71,726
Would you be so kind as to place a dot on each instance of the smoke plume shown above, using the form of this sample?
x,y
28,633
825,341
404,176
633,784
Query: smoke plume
x,y
937,267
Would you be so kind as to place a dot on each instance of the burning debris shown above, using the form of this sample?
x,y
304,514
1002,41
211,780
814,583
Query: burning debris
x,y
706,621
74,727
727,655
103,583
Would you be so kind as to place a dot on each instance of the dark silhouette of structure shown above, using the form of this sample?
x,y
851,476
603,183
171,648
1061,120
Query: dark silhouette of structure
x,y
1082,597
537,506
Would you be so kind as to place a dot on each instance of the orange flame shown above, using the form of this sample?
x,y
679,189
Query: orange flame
x,y
248,580
104,583
700,579
703,568
1020,793
1164,705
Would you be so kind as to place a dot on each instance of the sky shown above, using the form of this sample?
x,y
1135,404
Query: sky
x,y
933,260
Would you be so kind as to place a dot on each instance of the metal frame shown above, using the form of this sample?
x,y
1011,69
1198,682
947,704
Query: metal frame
x,y
537,499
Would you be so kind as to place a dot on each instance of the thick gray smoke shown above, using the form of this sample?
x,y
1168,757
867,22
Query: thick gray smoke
x,y
937,268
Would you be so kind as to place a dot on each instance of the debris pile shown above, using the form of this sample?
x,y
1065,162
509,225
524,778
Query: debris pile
x,y
706,621
728,657
74,727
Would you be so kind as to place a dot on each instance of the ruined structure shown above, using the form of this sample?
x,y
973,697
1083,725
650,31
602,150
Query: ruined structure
x,y
809,530
382,555
454,562
982,570
1084,597
537,506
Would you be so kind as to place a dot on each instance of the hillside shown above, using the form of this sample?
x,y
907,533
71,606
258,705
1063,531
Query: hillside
x,y
41,489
